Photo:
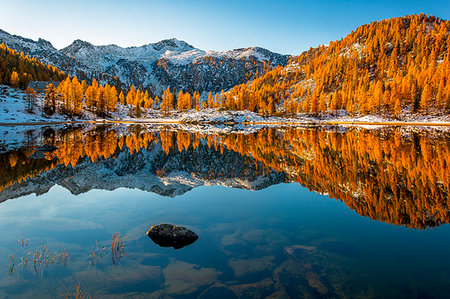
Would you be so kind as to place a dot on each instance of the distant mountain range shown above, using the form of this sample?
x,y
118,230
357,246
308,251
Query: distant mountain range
x,y
168,63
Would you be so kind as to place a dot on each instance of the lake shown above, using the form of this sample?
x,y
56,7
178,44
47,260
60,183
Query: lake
x,y
281,212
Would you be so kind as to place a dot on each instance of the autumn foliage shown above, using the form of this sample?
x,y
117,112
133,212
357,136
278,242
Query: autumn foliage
x,y
381,68
17,69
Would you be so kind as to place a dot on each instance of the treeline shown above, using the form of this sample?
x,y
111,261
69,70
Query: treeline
x,y
72,95
17,69
380,68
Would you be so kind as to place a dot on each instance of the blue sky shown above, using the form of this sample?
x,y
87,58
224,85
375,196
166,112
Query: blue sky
x,y
284,26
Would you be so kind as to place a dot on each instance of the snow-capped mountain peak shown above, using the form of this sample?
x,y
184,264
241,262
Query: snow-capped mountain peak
x,y
168,63
171,43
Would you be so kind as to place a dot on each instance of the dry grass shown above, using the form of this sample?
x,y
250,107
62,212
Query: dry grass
x,y
97,252
11,264
23,242
24,261
78,294
117,247
40,258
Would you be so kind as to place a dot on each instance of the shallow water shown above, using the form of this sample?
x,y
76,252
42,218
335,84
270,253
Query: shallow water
x,y
261,232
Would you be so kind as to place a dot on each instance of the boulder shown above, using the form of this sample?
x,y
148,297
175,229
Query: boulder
x,y
168,235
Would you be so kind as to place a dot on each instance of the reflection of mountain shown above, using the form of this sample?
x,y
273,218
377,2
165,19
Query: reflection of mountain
x,y
400,178
151,169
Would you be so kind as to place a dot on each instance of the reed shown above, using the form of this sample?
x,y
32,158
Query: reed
x,y
117,247
23,242
97,252
78,294
11,264
62,257
24,261
40,258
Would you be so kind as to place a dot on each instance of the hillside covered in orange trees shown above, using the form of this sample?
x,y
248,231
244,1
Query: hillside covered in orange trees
x,y
395,66
17,69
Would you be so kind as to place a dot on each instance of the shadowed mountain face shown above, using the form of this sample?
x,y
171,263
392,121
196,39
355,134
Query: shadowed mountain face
x,y
396,176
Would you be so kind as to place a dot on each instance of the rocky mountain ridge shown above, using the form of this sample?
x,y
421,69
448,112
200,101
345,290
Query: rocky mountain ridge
x,y
169,63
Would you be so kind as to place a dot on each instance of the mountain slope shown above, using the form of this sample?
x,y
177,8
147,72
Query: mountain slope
x,y
18,70
392,67
175,64
168,63
44,51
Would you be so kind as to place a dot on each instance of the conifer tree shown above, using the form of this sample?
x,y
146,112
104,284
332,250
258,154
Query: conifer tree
x,y
122,98
14,80
50,99
30,97
131,96
167,100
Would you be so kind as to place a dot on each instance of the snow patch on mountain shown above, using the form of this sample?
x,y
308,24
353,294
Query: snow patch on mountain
x,y
169,63
101,58
245,53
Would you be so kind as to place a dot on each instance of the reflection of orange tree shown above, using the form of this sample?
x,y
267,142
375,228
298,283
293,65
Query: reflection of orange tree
x,y
379,174
17,166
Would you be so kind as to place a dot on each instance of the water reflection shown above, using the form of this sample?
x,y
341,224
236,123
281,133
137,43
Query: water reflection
x,y
278,240
396,176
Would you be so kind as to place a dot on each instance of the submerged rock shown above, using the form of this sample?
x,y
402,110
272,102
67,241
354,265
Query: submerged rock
x,y
168,235
183,279
243,267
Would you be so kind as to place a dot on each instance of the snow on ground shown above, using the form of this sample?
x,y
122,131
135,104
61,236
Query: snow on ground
x,y
13,108
243,117
405,117
13,111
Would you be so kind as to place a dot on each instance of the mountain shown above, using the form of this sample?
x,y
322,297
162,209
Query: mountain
x,y
44,51
168,63
175,64
392,68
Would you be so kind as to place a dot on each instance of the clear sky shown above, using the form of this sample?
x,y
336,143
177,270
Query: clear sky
x,y
287,27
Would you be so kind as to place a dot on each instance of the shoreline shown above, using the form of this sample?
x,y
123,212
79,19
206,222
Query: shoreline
x,y
174,121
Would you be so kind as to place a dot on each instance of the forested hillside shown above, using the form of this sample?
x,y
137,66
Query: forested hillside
x,y
17,69
390,67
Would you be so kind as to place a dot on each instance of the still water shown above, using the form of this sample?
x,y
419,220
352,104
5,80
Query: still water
x,y
281,213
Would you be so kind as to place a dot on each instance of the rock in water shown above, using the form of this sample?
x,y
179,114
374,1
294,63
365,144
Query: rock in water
x,y
168,235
